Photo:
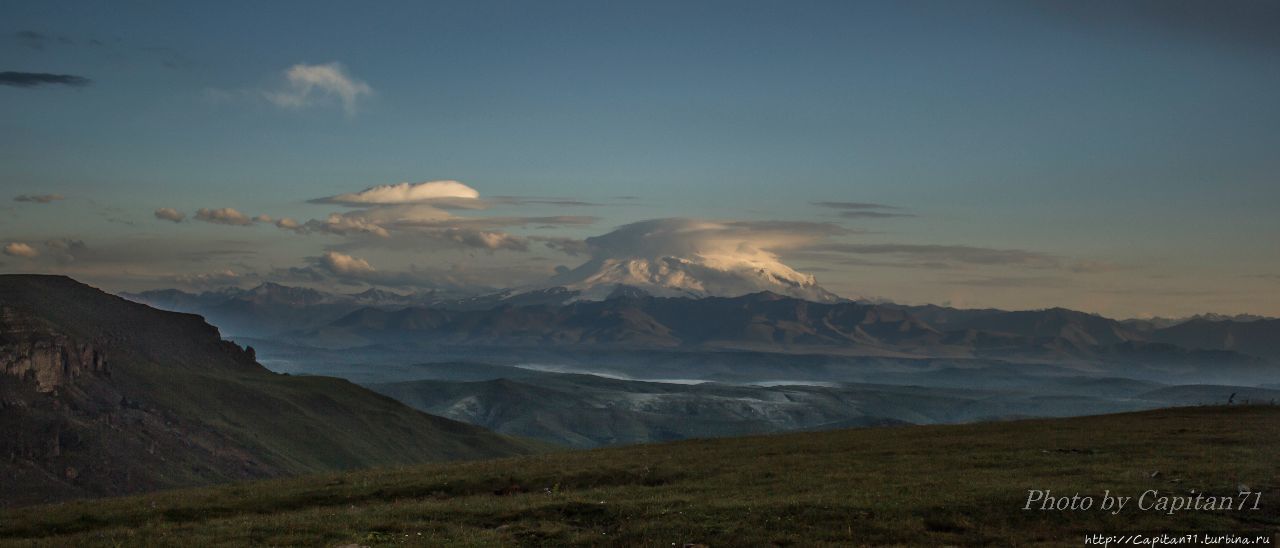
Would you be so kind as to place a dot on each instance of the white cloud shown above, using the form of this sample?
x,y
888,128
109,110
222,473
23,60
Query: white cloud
x,y
170,214
344,225
405,193
416,215
346,269
219,278
686,237
222,216
344,265
19,249
306,82
484,239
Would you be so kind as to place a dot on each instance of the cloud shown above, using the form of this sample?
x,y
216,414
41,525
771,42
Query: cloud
x,y
680,256
39,198
350,270
170,214
35,79
414,235
19,249
1008,281
66,250
857,206
288,223
1092,267
306,82
404,193
204,280
945,254
484,239
524,200
1234,24
872,215
344,265
552,221
683,237
223,216
341,225
414,214
39,40
569,246
865,210
65,244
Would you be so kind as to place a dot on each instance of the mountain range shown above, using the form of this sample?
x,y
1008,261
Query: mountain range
x,y
631,315
101,395
771,322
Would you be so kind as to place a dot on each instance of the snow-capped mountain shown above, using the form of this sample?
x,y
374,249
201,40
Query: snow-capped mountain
x,y
692,258
689,277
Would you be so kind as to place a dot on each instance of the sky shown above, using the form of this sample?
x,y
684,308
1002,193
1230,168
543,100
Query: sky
x,y
1112,157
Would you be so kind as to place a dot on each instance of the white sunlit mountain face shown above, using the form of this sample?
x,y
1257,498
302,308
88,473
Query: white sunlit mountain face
x,y
687,257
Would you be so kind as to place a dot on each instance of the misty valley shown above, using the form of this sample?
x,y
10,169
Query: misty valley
x,y
632,368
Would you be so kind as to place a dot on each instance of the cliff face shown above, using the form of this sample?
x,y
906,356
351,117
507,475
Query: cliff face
x,y
102,396
49,359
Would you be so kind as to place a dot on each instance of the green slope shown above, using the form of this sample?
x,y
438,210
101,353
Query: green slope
x,y
914,485
178,406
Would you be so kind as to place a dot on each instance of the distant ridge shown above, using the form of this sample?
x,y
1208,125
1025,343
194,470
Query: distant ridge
x,y
308,316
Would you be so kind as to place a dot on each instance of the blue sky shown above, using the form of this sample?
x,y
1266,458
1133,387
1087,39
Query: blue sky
x,y
1117,157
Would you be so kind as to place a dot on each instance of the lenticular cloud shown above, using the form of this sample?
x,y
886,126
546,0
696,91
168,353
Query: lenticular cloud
x,y
406,193
694,257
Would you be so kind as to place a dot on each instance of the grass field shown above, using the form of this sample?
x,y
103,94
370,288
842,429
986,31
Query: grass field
x,y
925,485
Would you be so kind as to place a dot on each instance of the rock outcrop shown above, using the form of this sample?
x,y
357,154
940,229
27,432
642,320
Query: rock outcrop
x,y
35,353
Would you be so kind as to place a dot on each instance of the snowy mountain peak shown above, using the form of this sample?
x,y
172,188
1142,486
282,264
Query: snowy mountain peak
x,y
693,258
689,277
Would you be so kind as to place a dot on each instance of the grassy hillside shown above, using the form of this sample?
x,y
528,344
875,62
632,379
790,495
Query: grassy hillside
x,y
900,485
175,405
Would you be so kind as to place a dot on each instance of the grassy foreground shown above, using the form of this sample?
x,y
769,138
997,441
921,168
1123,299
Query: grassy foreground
x,y
901,485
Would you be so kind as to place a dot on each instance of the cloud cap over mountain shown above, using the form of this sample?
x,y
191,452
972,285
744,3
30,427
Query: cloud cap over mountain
x,y
405,193
695,257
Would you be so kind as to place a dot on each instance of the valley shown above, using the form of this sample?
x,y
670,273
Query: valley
x,y
633,368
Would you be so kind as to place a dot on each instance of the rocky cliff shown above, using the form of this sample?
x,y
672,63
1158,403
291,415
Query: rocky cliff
x,y
35,353
102,396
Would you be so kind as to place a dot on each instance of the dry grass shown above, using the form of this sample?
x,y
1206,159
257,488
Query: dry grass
x,y
906,485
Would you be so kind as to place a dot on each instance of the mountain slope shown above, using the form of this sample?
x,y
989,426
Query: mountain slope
x,y
99,395
1257,337
689,277
583,410
1078,328
957,485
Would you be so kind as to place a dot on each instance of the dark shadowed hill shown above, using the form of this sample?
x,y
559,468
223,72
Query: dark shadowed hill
x,y
1257,337
99,396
